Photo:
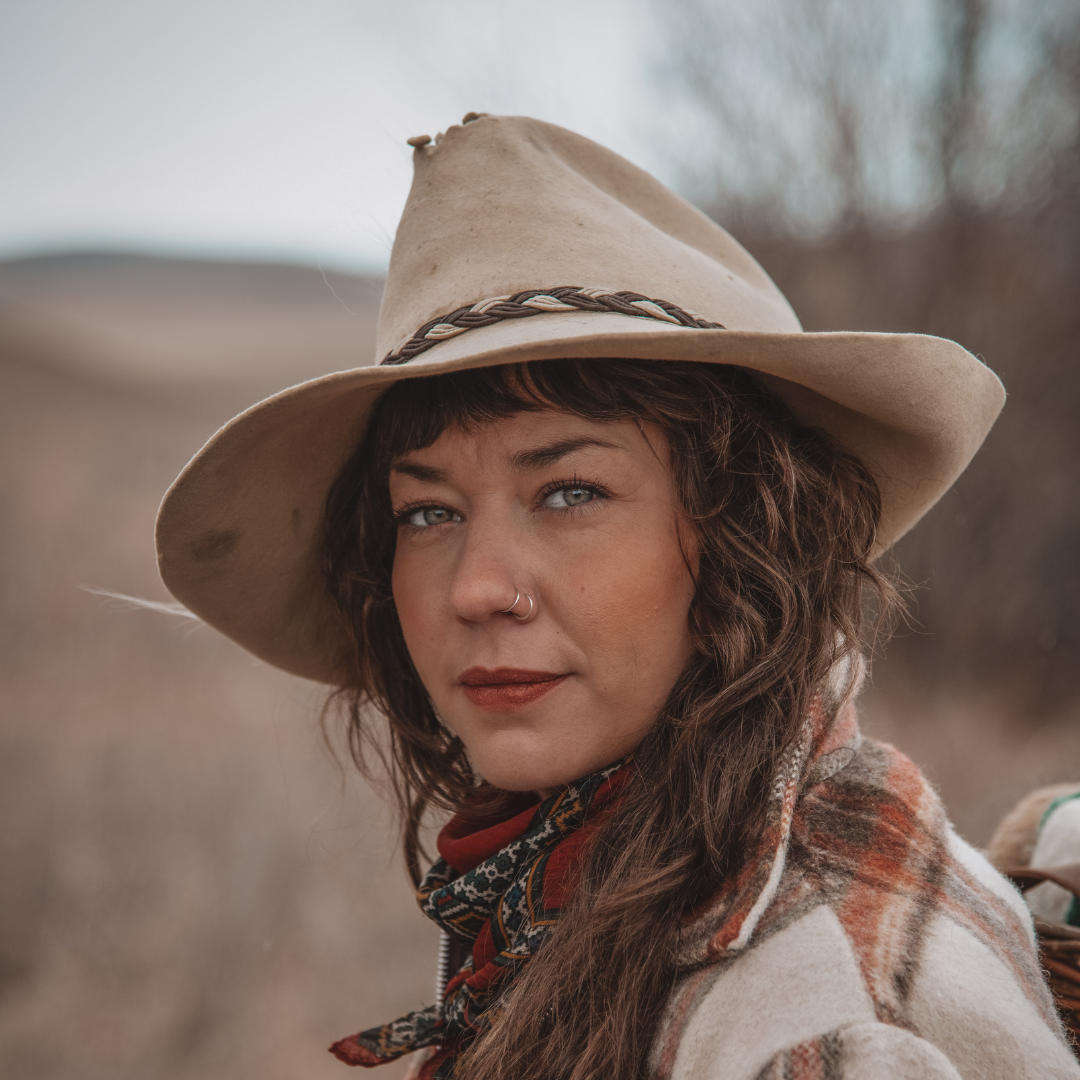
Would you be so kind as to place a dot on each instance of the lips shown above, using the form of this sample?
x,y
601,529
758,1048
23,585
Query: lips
x,y
507,688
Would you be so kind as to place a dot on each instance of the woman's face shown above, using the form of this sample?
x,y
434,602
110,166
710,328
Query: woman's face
x,y
579,515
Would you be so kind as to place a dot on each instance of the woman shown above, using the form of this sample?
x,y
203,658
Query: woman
x,y
611,611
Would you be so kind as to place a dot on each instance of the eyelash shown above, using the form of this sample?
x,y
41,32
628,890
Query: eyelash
x,y
574,482
401,517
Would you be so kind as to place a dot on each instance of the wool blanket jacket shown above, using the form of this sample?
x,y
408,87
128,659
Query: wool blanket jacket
x,y
864,940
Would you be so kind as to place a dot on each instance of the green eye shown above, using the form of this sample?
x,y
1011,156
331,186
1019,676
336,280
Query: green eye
x,y
430,515
569,496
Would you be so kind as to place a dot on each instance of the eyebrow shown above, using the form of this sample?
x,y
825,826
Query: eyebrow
x,y
536,458
540,456
424,473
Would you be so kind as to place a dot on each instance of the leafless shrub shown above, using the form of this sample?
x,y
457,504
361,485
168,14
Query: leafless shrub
x,y
916,167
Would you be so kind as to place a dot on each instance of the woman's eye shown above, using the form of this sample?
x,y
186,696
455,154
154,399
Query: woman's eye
x,y
430,515
569,496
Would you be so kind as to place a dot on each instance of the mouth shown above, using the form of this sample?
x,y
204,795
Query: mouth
x,y
507,688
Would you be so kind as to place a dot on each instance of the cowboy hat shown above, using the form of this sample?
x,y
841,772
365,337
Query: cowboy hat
x,y
524,241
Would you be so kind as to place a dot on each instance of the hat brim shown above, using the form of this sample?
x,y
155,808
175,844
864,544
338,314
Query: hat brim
x,y
239,533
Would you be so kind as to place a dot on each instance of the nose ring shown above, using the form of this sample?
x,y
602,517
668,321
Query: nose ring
x,y
517,600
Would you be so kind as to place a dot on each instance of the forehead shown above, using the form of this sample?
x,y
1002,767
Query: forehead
x,y
535,439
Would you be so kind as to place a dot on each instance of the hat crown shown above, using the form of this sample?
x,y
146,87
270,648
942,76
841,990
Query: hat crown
x,y
504,204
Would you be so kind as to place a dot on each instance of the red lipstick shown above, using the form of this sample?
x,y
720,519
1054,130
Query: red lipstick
x,y
507,688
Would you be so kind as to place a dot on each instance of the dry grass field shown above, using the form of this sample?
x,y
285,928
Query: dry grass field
x,y
191,886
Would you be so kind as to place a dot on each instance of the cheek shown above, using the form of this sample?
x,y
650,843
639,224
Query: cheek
x,y
633,597
413,599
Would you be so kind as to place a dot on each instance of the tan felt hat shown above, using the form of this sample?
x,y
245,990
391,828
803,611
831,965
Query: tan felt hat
x,y
523,241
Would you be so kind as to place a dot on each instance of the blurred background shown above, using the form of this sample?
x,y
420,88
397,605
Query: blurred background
x,y
196,204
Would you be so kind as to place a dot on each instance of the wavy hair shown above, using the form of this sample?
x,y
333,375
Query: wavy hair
x,y
785,522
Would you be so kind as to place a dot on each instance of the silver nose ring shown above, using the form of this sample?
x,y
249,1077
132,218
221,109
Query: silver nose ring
x,y
517,600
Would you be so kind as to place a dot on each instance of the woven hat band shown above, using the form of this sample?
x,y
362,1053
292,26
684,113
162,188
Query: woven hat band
x,y
538,302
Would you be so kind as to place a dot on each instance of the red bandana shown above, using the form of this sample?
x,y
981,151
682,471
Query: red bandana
x,y
501,883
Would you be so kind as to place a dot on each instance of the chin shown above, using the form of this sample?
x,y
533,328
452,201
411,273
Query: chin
x,y
526,762
526,776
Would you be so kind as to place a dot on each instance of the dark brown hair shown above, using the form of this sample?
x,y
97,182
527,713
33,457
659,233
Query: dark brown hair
x,y
785,522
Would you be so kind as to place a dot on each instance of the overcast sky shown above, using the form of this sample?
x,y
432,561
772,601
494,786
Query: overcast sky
x,y
277,128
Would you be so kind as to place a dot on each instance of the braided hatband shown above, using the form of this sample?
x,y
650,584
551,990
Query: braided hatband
x,y
538,302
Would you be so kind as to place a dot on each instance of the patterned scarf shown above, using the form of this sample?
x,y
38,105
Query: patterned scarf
x,y
502,886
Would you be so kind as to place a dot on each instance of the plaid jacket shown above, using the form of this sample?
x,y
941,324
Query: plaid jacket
x,y
865,941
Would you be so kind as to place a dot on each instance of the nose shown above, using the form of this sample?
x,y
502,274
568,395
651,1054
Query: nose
x,y
492,574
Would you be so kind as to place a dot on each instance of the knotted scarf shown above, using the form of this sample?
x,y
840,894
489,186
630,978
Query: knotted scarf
x,y
502,885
